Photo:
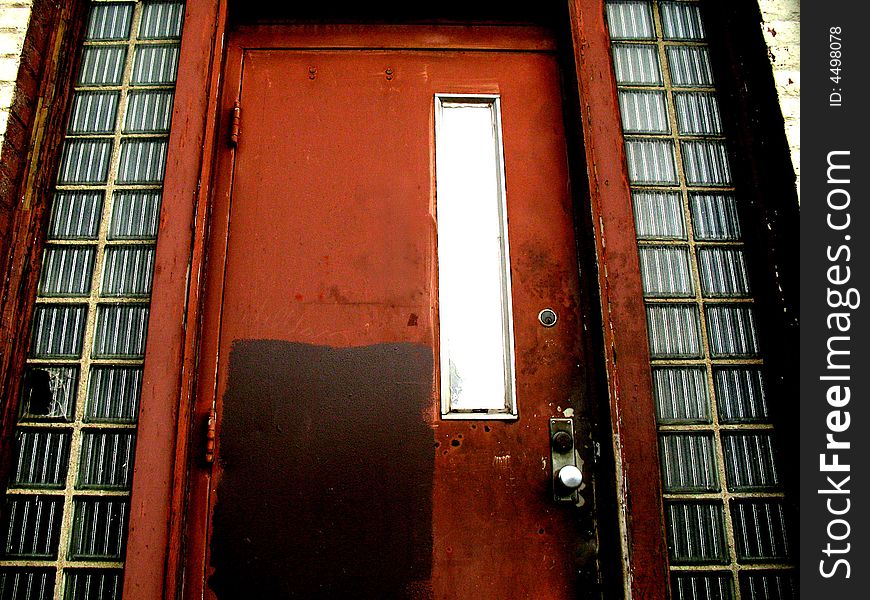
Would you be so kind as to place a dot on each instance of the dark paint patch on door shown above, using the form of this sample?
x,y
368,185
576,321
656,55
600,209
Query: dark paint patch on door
x,y
327,469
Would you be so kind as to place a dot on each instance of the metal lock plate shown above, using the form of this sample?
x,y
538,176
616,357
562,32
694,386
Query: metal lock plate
x,y
562,455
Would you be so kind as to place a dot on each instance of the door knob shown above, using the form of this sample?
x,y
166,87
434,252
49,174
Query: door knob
x,y
570,477
567,477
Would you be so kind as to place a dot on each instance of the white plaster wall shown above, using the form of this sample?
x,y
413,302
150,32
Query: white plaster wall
x,y
781,24
14,17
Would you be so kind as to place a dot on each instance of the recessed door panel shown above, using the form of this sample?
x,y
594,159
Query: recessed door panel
x,y
336,473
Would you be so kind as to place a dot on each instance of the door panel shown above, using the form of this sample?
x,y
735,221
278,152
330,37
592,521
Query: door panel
x,y
335,474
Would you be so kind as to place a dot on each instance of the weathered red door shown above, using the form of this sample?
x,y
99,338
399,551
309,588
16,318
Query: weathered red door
x,y
336,474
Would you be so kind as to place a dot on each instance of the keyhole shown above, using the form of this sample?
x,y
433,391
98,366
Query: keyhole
x,y
547,317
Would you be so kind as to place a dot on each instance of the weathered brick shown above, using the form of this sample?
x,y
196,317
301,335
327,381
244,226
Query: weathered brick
x,y
14,17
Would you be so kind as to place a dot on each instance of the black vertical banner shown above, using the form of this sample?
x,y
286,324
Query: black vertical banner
x,y
835,361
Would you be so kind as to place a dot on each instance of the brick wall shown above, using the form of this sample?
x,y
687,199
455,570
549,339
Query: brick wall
x,y
782,32
14,17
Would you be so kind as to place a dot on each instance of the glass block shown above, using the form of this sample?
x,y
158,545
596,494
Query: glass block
x,y
643,112
106,459
696,532
732,331
697,113
689,66
42,458
49,393
155,65
650,161
723,272
630,20
740,394
102,65
760,531
659,215
665,271
636,64
674,330
688,462
142,161
768,585
706,163
127,271
135,215
27,583
109,22
120,331
681,395
702,586
67,271
750,462
93,112
85,161
714,217
113,394
148,111
58,330
98,529
161,20
93,584
31,526
75,215
682,21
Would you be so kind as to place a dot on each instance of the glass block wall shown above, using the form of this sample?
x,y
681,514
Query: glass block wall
x,y
728,532
64,519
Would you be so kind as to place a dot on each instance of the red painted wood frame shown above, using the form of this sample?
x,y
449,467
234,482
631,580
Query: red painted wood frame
x,y
163,460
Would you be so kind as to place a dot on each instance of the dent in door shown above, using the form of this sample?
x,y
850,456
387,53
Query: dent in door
x,y
304,510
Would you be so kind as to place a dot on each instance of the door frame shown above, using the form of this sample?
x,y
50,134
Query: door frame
x,y
165,457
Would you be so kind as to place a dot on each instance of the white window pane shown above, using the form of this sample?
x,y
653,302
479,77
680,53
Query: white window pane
x,y
706,163
690,66
674,330
109,22
681,395
102,65
740,394
732,331
659,215
665,271
67,270
85,161
155,65
630,20
161,20
636,64
723,272
135,215
93,112
682,21
696,532
650,161
698,113
688,462
473,274
714,217
643,112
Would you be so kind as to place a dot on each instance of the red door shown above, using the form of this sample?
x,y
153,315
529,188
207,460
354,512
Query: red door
x,y
338,473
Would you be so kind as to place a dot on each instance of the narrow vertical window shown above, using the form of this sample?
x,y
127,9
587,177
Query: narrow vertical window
x,y
66,507
727,524
474,292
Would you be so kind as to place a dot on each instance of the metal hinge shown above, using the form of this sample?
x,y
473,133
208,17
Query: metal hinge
x,y
234,126
210,436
